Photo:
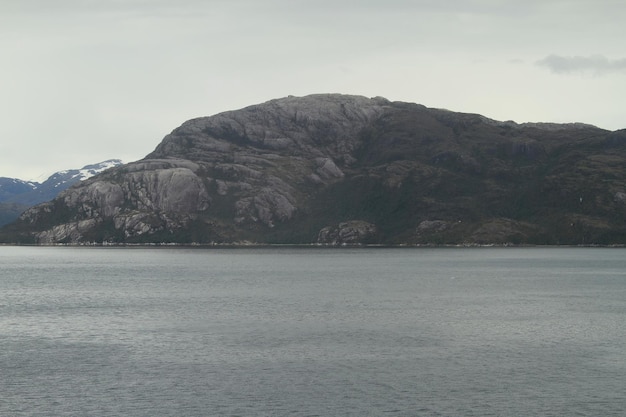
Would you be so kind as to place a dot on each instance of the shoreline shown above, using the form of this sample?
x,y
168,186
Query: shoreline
x,y
250,245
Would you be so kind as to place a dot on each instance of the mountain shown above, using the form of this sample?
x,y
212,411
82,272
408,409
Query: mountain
x,y
10,211
11,187
17,195
337,169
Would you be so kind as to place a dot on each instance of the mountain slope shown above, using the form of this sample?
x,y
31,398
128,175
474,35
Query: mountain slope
x,y
12,187
339,169
17,195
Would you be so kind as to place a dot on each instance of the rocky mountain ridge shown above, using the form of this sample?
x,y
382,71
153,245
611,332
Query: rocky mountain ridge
x,y
337,169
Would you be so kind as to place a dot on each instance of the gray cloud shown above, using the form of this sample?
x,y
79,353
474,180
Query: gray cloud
x,y
595,64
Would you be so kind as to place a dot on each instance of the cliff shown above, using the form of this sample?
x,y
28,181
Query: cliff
x,y
337,169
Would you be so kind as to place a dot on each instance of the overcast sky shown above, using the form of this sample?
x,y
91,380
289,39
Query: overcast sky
x,y
87,80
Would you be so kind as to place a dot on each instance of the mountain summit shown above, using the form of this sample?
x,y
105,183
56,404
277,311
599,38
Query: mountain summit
x,y
338,169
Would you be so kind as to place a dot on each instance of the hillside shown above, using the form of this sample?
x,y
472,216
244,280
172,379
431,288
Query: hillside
x,y
336,169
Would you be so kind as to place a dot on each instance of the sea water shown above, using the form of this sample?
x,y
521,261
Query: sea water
x,y
312,332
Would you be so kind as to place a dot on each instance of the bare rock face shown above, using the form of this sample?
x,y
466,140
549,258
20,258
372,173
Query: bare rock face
x,y
73,231
177,190
97,199
139,198
432,226
319,126
353,232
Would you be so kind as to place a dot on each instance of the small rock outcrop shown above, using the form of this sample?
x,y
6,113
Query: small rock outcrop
x,y
353,232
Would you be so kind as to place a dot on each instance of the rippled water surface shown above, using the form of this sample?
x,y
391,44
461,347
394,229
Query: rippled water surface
x,y
312,332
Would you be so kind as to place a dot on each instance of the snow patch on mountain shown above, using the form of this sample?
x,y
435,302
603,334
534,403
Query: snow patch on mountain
x,y
88,171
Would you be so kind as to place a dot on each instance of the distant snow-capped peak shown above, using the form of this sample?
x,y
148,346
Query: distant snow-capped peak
x,y
88,171
72,176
